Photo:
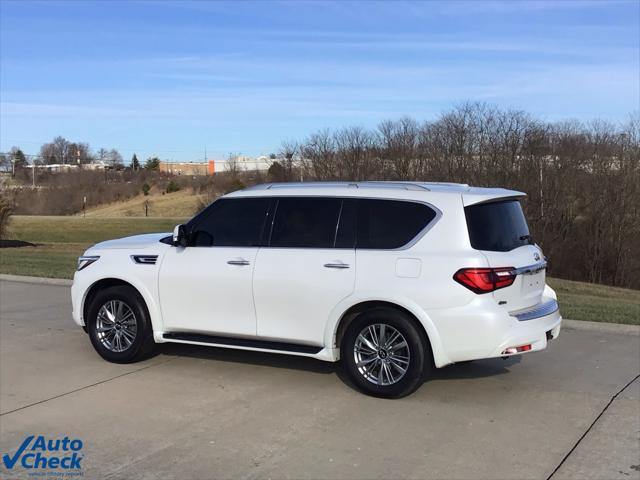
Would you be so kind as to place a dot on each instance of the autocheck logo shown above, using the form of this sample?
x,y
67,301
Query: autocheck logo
x,y
40,453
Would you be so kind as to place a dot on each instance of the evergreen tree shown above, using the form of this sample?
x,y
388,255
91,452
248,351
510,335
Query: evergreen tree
x,y
135,163
152,163
18,158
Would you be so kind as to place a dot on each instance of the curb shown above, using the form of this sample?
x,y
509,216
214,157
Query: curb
x,y
37,280
615,328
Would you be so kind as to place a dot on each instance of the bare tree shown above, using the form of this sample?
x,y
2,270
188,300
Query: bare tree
x,y
318,156
62,151
102,155
114,159
582,180
398,144
60,148
233,165
289,157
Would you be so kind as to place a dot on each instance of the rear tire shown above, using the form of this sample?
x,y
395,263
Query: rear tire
x,y
385,354
119,325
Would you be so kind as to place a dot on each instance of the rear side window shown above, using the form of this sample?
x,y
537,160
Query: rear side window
x,y
230,223
497,226
306,222
388,224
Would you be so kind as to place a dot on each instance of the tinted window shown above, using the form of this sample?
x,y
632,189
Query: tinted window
x,y
386,224
306,222
497,226
230,223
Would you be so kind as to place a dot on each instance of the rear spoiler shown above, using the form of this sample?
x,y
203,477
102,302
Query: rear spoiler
x,y
476,195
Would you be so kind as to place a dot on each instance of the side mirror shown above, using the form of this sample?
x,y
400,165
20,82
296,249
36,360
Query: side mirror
x,y
179,236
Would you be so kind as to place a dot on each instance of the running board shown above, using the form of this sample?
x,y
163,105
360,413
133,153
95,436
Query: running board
x,y
241,342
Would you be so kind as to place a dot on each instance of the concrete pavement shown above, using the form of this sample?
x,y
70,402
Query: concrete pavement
x,y
196,412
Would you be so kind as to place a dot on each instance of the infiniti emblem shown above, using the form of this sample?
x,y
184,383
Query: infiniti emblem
x,y
536,256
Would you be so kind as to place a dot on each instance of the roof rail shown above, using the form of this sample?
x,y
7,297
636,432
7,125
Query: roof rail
x,y
393,184
367,184
448,184
312,185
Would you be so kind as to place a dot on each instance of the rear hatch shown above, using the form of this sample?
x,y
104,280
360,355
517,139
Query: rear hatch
x,y
499,230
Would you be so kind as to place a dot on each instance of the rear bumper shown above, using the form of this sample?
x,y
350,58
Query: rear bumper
x,y
536,332
484,329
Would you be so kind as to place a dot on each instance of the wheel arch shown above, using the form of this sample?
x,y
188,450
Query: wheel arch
x,y
108,282
423,323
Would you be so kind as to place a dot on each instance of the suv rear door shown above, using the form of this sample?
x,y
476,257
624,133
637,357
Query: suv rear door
x,y
306,270
500,231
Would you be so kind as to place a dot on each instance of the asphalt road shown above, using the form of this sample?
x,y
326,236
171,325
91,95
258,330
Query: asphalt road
x,y
572,411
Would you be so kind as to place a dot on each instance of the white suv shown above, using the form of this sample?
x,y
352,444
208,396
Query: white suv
x,y
393,278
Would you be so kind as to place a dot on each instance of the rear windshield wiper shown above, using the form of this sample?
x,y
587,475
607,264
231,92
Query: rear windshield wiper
x,y
528,238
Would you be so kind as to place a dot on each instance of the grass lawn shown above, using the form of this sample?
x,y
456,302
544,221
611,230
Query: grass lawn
x,y
597,303
62,239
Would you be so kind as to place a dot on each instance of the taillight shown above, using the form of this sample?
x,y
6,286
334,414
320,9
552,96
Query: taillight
x,y
485,280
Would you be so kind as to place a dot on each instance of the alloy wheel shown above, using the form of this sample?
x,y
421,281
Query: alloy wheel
x,y
381,354
116,326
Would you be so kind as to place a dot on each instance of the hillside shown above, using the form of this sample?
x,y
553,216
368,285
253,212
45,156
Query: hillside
x,y
178,204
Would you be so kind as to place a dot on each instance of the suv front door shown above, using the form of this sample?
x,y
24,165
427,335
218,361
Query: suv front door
x,y
307,268
207,286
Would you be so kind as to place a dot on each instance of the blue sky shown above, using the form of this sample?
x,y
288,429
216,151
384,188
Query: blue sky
x,y
169,79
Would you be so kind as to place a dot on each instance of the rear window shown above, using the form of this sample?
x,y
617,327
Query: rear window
x,y
388,224
497,226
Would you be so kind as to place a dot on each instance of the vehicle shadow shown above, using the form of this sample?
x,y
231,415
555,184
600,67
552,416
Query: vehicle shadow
x,y
489,367
475,369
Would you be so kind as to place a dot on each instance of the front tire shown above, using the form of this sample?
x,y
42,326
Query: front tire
x,y
384,353
119,325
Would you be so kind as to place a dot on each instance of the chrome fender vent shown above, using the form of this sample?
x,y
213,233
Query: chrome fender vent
x,y
144,259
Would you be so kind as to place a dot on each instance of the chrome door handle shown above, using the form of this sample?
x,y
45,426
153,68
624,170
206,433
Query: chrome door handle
x,y
238,262
337,265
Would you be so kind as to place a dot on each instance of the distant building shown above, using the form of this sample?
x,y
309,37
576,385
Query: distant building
x,y
188,168
211,167
54,167
97,165
68,167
